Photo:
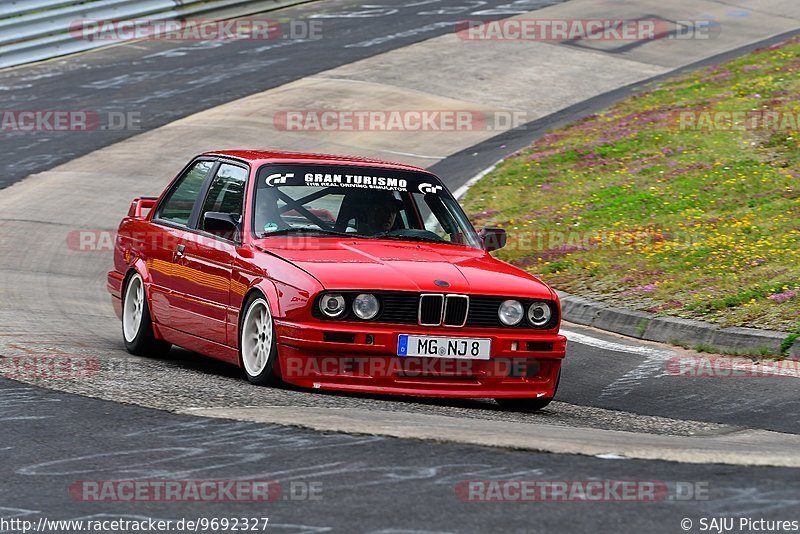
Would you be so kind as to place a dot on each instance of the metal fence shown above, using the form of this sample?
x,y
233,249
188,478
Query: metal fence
x,y
33,30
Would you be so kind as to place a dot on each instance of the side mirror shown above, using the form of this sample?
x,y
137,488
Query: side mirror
x,y
224,225
493,238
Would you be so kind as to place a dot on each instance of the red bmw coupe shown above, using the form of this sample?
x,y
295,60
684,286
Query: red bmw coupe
x,y
336,273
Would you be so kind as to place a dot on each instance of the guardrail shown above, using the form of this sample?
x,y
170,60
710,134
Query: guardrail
x,y
33,30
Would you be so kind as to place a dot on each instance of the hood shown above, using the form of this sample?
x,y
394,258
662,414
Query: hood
x,y
374,264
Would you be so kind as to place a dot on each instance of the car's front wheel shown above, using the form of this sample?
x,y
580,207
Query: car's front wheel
x,y
137,326
258,347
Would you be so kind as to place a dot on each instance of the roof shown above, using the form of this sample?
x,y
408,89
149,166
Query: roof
x,y
269,156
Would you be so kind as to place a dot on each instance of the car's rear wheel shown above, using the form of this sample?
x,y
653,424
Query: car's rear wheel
x,y
137,326
528,405
258,347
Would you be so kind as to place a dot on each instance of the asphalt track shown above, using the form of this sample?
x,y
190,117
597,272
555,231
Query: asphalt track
x,y
610,383
52,441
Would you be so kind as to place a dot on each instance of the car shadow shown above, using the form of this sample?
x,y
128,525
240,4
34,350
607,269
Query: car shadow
x,y
189,360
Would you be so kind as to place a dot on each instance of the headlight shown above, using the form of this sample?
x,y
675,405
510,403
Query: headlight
x,y
539,314
510,312
332,304
366,306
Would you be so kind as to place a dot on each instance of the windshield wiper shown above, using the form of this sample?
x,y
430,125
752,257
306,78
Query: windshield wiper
x,y
411,238
320,231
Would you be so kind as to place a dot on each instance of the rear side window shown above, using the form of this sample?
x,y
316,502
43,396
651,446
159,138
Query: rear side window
x,y
227,191
177,207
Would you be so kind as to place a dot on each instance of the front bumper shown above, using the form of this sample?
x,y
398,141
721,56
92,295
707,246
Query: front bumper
x,y
363,357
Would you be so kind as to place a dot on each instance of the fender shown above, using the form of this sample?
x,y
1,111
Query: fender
x,y
270,291
264,286
139,265
116,285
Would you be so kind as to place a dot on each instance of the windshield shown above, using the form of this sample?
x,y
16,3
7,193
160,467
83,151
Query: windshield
x,y
358,202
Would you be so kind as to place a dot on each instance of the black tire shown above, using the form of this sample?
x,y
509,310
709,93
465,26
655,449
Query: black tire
x,y
144,342
268,374
528,405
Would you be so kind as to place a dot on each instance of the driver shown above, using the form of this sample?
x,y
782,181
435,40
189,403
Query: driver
x,y
381,214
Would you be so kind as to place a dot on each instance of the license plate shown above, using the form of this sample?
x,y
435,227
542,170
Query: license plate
x,y
444,347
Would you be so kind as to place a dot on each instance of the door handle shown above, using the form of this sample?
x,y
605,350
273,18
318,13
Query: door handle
x,y
179,253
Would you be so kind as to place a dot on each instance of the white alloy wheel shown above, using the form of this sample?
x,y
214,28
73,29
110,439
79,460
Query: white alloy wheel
x,y
133,308
256,338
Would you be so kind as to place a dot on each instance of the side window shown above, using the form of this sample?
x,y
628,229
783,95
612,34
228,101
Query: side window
x,y
177,207
226,193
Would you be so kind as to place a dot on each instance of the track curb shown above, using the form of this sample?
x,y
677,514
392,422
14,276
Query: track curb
x,y
729,448
676,330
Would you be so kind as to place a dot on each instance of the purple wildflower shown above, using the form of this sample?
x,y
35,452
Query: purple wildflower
x,y
783,297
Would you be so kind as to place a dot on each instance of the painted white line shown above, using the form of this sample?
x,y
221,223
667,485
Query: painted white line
x,y
652,367
411,154
611,457
461,191
617,347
